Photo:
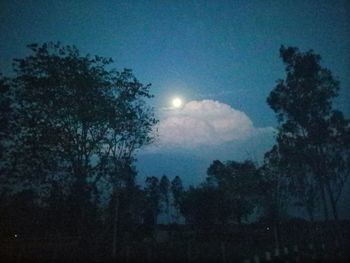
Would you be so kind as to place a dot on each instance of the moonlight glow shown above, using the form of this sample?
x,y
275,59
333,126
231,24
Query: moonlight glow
x,y
177,102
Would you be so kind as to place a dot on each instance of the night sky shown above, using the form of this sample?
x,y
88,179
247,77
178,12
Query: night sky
x,y
220,57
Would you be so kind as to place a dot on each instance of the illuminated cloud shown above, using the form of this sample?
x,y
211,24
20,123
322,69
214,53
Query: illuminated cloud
x,y
205,122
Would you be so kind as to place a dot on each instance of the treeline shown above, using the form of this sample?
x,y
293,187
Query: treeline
x,y
71,124
308,166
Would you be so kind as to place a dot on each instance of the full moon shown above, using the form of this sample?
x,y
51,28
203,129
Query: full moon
x,y
177,102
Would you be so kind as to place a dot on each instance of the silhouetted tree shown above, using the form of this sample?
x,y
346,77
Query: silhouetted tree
x,y
120,175
6,116
203,206
164,189
177,193
273,190
274,186
239,183
312,136
230,194
153,195
78,121
6,111
62,104
58,208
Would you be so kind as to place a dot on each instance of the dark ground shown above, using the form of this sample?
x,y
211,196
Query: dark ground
x,y
300,241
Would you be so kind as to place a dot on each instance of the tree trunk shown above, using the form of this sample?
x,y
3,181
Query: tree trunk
x,y
333,201
168,212
81,196
324,200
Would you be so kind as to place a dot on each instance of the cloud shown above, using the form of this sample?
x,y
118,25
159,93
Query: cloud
x,y
204,123
189,139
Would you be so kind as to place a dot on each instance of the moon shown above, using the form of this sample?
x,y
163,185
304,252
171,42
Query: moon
x,y
177,102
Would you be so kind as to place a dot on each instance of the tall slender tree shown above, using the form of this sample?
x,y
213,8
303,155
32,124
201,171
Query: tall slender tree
x,y
5,123
153,201
312,135
177,191
164,188
273,191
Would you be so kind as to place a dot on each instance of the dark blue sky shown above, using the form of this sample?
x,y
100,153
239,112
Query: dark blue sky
x,y
225,51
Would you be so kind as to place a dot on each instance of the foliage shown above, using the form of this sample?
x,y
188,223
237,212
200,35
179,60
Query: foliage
x,y
312,135
78,124
239,183
164,189
153,195
273,187
203,205
177,191
230,194
5,130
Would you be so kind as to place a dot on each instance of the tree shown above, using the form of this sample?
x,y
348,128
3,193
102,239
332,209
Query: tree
x,y
312,135
164,189
62,103
273,190
177,193
78,120
5,117
152,208
121,178
5,130
238,182
204,206
274,185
